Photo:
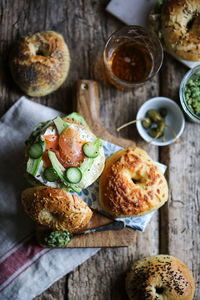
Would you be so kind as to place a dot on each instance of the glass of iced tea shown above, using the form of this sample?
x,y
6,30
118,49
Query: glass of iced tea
x,y
132,56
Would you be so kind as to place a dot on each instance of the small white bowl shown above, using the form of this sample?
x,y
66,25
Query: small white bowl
x,y
174,119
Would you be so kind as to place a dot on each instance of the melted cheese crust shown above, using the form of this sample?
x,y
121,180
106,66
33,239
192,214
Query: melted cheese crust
x,y
131,184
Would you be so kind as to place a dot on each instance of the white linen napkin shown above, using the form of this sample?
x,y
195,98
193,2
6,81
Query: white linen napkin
x,y
135,12
26,270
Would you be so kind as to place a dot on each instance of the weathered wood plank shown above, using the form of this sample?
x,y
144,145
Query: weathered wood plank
x,y
55,292
85,27
182,211
102,276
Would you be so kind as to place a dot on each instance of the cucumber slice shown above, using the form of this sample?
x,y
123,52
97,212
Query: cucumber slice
x,y
61,172
91,149
35,150
50,174
73,175
60,125
34,163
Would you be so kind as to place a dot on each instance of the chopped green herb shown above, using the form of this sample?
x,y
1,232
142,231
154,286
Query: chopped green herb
x,y
58,238
192,94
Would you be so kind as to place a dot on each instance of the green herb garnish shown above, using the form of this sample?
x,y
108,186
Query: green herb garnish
x,y
192,94
58,238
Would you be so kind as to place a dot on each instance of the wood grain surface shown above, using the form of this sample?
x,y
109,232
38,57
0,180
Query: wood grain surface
x,y
174,229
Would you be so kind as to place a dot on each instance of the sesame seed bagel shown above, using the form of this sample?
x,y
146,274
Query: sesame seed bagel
x,y
160,277
178,26
56,208
39,63
131,184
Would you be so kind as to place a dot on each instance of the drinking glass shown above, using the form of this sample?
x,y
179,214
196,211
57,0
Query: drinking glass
x,y
132,55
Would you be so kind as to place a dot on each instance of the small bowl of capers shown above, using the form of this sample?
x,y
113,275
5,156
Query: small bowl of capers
x,y
160,121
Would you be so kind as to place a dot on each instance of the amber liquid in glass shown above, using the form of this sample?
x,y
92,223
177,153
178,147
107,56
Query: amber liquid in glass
x,y
131,62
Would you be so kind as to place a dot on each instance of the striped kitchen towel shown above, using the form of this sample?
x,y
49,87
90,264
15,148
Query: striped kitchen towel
x,y
26,270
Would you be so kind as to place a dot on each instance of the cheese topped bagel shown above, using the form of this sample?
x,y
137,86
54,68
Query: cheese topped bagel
x,y
131,184
64,153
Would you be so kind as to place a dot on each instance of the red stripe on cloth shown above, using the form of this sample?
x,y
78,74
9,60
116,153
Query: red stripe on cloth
x,y
17,243
24,270
18,258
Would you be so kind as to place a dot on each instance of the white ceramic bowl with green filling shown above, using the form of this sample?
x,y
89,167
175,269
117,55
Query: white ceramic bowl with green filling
x,y
64,153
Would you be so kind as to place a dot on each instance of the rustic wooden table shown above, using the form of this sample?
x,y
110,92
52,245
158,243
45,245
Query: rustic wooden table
x,y
175,228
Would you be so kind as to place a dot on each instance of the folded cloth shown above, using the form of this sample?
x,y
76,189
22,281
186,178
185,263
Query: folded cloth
x,y
134,12
26,270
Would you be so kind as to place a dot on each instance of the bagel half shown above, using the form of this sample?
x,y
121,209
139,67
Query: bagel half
x,y
39,63
177,24
160,277
131,184
79,134
56,208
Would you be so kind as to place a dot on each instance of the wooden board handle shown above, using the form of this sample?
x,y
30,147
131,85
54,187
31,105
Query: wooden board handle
x,y
87,104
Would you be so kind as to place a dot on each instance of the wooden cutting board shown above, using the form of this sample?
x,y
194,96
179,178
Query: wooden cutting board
x,y
87,104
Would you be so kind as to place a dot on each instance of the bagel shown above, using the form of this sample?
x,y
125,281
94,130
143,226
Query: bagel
x,y
131,184
39,63
56,208
68,149
177,23
160,277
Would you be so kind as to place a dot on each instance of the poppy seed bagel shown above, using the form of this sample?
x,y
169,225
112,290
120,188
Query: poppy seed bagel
x,y
177,23
160,277
39,63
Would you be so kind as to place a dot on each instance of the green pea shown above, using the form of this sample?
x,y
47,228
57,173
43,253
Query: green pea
x,y
192,93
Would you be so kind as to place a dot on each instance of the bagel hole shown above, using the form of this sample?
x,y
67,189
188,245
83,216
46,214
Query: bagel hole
x,y
190,23
137,181
48,217
159,290
39,52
